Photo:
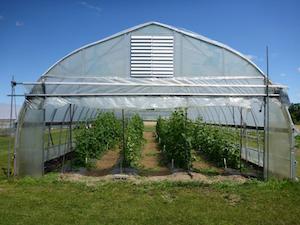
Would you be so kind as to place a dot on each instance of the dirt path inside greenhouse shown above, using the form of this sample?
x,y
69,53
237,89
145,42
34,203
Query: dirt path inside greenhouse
x,y
107,164
151,157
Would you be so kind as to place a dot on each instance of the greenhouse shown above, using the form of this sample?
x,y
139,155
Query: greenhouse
x,y
152,69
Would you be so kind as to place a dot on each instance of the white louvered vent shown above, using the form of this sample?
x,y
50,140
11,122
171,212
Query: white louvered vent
x,y
152,56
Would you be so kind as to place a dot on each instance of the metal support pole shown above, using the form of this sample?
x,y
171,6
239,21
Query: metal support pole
x,y
69,144
241,136
13,84
257,136
79,117
70,126
186,147
60,131
123,140
266,121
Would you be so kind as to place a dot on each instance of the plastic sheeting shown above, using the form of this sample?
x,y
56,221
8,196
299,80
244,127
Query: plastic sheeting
x,y
30,142
211,80
280,151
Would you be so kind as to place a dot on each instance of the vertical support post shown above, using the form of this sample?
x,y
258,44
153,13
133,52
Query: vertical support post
x,y
70,126
13,84
69,144
266,120
60,134
241,137
186,147
123,140
246,140
44,126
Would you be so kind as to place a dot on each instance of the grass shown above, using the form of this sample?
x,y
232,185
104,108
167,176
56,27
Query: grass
x,y
50,201
4,142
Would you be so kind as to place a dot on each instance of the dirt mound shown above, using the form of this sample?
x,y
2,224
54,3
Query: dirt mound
x,y
175,177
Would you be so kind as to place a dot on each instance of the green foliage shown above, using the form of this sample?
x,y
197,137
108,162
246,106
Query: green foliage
x,y
175,138
295,112
91,141
297,141
134,141
178,135
216,143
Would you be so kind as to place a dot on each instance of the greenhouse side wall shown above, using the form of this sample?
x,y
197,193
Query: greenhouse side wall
x,y
280,161
30,143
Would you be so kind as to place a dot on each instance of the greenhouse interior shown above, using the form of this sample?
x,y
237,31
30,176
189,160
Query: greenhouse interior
x,y
153,69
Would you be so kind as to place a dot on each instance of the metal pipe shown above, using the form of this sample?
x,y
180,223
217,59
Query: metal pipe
x,y
241,137
257,136
123,140
80,114
11,128
266,120
60,132
146,95
199,77
153,84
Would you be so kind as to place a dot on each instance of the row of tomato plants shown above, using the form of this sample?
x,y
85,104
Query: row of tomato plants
x,y
104,133
178,135
95,138
133,141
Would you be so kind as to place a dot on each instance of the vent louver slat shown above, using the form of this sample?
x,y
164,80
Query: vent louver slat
x,y
152,56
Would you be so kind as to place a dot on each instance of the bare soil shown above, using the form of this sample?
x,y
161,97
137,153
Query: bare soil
x,y
151,158
150,123
203,165
106,164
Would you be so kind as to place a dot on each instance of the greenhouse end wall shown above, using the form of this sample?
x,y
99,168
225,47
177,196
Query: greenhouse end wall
x,y
205,73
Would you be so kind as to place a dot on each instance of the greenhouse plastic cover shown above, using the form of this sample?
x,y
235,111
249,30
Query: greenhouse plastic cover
x,y
213,81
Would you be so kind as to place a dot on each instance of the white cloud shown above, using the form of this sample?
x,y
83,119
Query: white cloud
x,y
283,75
19,23
90,6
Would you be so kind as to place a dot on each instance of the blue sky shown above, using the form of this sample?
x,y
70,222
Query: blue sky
x,y
35,34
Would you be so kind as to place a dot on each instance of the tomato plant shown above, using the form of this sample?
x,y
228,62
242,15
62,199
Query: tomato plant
x,y
134,141
178,136
216,143
102,134
175,138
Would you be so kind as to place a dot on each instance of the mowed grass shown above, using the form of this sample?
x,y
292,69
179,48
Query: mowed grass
x,y
4,142
50,201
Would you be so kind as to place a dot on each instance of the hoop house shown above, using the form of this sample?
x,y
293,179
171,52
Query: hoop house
x,y
153,68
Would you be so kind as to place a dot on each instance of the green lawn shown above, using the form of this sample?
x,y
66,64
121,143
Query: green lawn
x,y
50,201
4,141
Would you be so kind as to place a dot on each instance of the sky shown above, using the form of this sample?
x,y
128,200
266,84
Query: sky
x,y
36,34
